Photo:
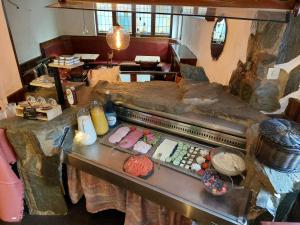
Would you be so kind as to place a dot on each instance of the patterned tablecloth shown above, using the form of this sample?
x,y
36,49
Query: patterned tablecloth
x,y
101,195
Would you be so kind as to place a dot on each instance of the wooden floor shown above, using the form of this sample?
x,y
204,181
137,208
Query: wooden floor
x,y
77,216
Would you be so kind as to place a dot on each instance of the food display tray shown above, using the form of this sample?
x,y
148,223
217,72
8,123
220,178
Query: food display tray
x,y
104,140
163,136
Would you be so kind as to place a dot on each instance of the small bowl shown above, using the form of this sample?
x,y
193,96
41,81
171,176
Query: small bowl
x,y
225,182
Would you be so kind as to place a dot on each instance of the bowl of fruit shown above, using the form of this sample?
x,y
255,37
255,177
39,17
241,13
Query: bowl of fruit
x,y
216,183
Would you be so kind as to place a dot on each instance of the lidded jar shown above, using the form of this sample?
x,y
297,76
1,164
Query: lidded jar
x,y
98,118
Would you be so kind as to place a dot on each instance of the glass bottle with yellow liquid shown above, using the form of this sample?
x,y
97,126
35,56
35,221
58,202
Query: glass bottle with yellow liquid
x,y
98,118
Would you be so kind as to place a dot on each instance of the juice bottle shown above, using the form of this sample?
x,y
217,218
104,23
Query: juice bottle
x,y
98,118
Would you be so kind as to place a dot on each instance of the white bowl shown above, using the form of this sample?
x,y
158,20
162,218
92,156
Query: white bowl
x,y
228,167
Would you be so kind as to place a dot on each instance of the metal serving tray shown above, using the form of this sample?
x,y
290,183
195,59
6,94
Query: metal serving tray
x,y
163,136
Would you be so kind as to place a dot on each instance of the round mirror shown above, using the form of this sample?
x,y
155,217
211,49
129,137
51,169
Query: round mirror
x,y
218,38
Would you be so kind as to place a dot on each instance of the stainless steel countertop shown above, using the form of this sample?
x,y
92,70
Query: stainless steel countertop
x,y
177,191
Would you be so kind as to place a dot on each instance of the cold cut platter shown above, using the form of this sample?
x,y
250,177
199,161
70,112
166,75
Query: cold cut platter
x,y
184,156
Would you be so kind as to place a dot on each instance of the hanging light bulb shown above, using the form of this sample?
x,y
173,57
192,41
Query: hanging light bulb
x,y
118,38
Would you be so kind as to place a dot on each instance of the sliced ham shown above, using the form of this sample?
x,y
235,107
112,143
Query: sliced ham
x,y
117,136
130,140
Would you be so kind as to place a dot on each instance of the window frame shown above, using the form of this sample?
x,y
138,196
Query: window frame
x,y
97,24
171,26
116,19
133,17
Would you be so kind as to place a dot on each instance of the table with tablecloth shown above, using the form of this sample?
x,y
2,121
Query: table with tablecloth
x,y
101,195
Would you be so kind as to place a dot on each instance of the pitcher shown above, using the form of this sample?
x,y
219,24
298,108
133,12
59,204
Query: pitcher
x,y
87,134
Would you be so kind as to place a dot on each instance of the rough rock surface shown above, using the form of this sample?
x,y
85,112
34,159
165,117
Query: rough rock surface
x,y
289,49
272,43
197,97
193,73
249,80
35,144
265,95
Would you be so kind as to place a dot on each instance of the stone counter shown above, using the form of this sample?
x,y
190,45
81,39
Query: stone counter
x,y
35,143
188,97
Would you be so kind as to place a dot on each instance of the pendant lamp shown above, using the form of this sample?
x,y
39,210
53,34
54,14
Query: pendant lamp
x,y
118,38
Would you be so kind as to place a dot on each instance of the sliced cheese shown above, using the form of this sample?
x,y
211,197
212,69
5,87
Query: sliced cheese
x,y
164,150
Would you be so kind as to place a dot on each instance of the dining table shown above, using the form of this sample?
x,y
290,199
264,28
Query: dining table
x,y
148,63
147,59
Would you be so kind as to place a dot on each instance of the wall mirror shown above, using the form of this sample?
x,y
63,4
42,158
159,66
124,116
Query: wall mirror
x,y
218,38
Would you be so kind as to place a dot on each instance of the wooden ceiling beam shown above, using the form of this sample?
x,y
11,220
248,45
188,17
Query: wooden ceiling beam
x,y
267,4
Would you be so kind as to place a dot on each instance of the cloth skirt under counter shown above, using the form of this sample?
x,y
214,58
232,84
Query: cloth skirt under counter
x,y
101,195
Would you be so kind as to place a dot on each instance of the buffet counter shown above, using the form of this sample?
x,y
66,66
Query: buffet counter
x,y
167,187
174,185
227,123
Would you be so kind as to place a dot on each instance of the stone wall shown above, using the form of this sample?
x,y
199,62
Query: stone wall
x,y
36,145
270,43
289,49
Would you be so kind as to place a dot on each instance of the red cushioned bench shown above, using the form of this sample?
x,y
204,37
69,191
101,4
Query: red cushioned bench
x,y
150,46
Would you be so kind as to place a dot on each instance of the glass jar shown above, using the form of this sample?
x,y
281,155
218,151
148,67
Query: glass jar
x,y
98,118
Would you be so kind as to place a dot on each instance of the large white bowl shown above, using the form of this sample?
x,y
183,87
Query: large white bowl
x,y
221,169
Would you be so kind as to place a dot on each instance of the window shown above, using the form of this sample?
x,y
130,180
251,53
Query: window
x,y
219,34
104,18
143,20
162,21
202,11
163,9
162,24
136,19
126,78
124,7
124,18
187,10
